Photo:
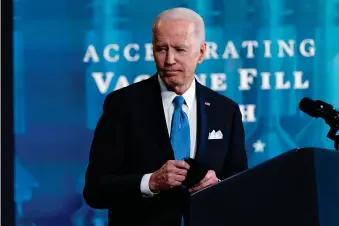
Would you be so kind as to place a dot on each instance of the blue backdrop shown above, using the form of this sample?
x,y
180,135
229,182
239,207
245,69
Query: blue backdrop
x,y
68,54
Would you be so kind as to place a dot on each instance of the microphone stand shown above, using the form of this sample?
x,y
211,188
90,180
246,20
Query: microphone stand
x,y
333,122
332,135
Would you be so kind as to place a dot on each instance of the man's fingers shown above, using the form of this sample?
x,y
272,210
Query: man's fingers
x,y
181,164
176,170
199,187
212,180
173,184
181,172
208,176
204,184
175,180
195,188
178,178
173,165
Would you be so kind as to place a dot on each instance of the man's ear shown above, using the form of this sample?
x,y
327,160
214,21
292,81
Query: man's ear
x,y
202,53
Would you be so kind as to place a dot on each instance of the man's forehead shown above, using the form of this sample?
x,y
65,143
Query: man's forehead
x,y
182,41
179,43
174,26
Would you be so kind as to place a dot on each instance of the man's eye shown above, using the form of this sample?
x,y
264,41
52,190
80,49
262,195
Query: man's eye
x,y
161,49
181,50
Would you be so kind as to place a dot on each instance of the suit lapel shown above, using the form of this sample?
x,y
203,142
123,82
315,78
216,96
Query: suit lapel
x,y
202,114
156,117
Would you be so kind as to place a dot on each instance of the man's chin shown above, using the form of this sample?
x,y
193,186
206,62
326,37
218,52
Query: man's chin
x,y
173,81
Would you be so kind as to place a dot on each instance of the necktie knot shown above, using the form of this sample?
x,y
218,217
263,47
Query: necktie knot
x,y
178,102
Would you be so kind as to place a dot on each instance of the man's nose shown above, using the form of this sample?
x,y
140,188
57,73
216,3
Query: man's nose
x,y
170,58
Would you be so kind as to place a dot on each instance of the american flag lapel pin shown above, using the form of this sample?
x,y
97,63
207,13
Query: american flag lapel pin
x,y
207,104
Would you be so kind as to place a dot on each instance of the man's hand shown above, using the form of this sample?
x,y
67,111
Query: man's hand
x,y
170,175
208,180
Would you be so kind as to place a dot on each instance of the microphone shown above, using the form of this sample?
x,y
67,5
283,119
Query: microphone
x,y
321,109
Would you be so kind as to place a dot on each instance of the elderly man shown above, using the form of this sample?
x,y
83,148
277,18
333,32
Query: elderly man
x,y
136,165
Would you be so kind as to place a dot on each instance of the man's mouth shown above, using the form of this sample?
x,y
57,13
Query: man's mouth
x,y
171,71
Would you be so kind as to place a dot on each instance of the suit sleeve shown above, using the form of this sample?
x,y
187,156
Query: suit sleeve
x,y
107,181
236,159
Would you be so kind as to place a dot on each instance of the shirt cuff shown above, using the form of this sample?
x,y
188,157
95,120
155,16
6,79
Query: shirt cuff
x,y
144,186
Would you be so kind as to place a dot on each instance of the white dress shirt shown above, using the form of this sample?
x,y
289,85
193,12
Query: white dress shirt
x,y
190,108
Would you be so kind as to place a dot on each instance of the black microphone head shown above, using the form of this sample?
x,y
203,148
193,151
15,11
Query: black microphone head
x,y
320,109
309,106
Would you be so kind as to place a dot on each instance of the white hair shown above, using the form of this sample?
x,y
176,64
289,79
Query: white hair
x,y
183,14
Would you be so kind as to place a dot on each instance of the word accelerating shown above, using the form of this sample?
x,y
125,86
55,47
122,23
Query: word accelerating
x,y
134,52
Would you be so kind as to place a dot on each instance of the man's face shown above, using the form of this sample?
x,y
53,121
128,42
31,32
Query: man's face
x,y
177,51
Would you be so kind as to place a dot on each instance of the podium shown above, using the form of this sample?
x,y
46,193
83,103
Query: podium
x,y
297,188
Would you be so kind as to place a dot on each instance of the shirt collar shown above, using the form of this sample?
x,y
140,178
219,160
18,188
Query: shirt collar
x,y
168,96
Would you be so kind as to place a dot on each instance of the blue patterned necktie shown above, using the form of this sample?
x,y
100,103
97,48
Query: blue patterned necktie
x,y
180,133
180,130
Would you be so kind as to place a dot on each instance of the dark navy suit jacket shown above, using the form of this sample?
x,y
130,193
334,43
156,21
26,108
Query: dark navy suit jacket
x,y
131,139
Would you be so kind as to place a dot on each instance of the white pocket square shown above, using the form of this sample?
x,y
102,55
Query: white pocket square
x,y
215,135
